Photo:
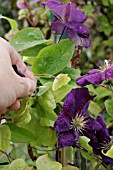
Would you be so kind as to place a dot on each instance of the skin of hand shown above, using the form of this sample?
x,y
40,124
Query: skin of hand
x,y
12,86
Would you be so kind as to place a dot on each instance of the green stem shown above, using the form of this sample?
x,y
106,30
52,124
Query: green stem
x,y
62,33
8,156
48,75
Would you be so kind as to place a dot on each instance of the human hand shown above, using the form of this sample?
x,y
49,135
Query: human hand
x,y
12,86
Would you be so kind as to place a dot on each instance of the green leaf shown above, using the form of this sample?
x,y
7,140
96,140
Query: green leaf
x,y
72,73
94,108
22,115
12,22
102,92
62,92
43,135
24,119
19,135
18,164
109,42
68,167
33,51
109,106
44,121
106,3
27,38
60,80
45,163
83,140
111,1
48,104
44,88
5,137
54,58
88,9
110,152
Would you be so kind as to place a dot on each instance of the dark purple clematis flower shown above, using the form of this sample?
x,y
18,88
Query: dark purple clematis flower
x,y
74,119
97,76
102,143
68,20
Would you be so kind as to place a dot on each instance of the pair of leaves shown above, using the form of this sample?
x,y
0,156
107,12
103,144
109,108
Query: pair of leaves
x,y
42,163
51,59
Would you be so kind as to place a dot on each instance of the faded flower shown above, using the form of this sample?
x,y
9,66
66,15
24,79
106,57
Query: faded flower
x,y
21,4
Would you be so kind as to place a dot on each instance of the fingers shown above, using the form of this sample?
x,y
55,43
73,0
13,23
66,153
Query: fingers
x,y
20,86
15,106
3,111
25,87
16,59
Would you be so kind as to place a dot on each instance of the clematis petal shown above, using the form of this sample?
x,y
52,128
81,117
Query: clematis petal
x,y
57,26
107,160
96,147
75,14
89,78
109,73
79,28
101,121
57,8
102,135
93,124
68,139
85,42
75,102
93,71
72,35
62,124
90,134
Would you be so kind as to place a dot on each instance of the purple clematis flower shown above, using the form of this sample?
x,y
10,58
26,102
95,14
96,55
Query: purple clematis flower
x,y
33,1
74,119
68,20
97,76
102,143
21,4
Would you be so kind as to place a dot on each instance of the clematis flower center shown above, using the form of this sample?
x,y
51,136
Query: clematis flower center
x,y
106,146
79,122
106,65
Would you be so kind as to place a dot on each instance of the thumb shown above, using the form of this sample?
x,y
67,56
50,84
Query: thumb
x,y
25,87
